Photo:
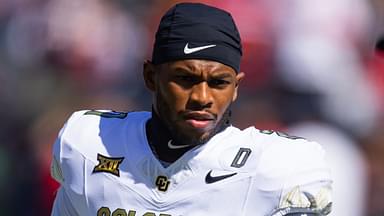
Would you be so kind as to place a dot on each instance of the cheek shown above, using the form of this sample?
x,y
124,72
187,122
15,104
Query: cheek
x,y
223,100
174,96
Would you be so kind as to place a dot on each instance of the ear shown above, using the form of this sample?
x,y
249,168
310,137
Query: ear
x,y
239,77
149,75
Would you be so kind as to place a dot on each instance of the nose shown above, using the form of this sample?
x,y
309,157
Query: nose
x,y
201,96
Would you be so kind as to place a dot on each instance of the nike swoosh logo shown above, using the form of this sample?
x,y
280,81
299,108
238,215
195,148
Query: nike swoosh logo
x,y
188,50
171,146
209,179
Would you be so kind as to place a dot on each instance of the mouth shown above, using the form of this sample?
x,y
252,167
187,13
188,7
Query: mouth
x,y
200,120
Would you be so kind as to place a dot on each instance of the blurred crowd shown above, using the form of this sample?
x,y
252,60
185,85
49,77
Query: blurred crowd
x,y
313,69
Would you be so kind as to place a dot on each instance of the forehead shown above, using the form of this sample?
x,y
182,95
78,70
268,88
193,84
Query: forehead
x,y
198,66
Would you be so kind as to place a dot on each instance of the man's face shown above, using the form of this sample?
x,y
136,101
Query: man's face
x,y
192,96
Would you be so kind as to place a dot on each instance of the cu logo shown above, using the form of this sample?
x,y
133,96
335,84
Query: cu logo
x,y
162,183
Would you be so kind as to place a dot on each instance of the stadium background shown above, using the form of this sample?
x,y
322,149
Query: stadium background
x,y
311,68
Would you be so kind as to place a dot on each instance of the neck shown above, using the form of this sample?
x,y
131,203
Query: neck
x,y
161,140
165,146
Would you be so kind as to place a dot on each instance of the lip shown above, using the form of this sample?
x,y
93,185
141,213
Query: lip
x,y
199,124
198,115
199,120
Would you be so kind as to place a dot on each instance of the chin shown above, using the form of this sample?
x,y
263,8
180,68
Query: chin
x,y
194,138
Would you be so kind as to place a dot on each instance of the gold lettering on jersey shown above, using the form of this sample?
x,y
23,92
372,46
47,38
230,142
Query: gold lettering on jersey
x,y
108,164
132,213
162,183
105,211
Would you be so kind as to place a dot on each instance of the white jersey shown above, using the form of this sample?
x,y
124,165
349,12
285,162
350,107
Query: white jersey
x,y
106,168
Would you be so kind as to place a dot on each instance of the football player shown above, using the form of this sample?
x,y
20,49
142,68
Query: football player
x,y
184,158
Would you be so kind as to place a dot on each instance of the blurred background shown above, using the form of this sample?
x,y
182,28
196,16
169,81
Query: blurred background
x,y
313,69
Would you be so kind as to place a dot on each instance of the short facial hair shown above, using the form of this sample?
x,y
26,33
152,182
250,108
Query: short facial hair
x,y
181,137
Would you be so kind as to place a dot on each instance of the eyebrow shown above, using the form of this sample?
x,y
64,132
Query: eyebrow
x,y
222,75
215,75
183,71
191,70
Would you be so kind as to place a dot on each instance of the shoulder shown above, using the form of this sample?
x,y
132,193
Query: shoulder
x,y
295,168
271,150
89,118
289,160
98,122
94,124
277,164
276,158
89,132
280,149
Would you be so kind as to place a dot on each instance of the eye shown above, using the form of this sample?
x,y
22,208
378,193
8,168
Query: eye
x,y
186,78
218,82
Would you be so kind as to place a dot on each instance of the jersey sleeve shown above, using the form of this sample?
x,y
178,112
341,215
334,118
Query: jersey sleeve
x,y
63,205
307,189
67,169
295,170
310,199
